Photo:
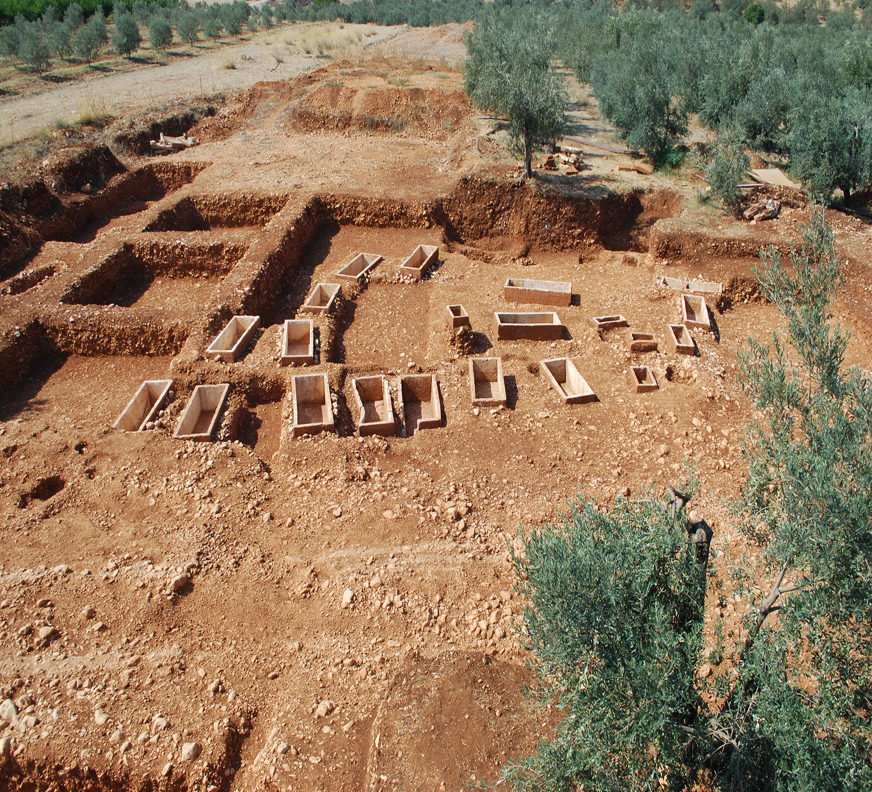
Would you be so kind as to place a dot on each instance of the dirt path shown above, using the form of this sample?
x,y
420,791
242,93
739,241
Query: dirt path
x,y
226,69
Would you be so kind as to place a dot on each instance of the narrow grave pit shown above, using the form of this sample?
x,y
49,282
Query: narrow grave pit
x,y
375,411
420,402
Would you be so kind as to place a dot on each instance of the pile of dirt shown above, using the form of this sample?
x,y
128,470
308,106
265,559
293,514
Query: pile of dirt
x,y
86,168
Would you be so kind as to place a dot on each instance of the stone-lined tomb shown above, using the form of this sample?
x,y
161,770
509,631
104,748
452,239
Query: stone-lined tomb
x,y
201,416
458,317
695,313
359,267
679,340
420,404
423,257
545,326
486,383
642,342
234,339
144,406
610,322
541,292
566,380
322,299
298,343
642,379
373,398
313,411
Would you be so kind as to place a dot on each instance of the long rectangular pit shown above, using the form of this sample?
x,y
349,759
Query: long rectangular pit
x,y
420,403
234,339
701,287
423,257
566,379
322,299
541,292
200,417
694,312
298,343
486,384
359,267
144,406
531,326
373,398
313,411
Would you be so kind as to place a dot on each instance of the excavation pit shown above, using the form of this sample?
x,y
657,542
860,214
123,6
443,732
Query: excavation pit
x,y
200,417
541,292
642,342
422,258
420,403
298,343
566,379
144,406
642,379
457,317
680,340
486,384
313,412
610,322
206,212
234,338
695,313
373,398
322,299
359,267
544,326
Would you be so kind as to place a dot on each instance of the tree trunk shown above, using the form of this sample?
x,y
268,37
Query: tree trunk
x,y
528,158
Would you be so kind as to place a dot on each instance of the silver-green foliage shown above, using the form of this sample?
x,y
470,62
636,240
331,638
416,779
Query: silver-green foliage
x,y
126,37
727,168
508,71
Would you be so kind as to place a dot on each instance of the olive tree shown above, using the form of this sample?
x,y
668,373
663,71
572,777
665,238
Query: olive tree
x,y
616,600
508,71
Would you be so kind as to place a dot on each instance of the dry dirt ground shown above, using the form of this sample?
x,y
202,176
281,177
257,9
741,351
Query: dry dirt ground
x,y
331,612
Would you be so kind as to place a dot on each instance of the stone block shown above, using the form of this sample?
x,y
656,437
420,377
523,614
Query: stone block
x,y
313,411
457,317
234,339
486,383
423,257
610,322
544,326
373,397
298,343
420,403
694,312
359,267
642,379
565,378
322,299
200,417
540,292
144,406
679,340
642,342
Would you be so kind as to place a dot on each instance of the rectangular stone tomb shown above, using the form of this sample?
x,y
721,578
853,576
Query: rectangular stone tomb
x,y
544,326
458,317
420,403
298,343
702,287
694,312
610,322
373,397
359,267
321,299
486,383
541,292
565,378
201,415
313,412
680,340
642,379
422,258
234,338
144,406
642,342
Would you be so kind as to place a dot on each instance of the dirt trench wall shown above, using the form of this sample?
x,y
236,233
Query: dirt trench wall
x,y
103,279
108,333
482,209
674,238
202,212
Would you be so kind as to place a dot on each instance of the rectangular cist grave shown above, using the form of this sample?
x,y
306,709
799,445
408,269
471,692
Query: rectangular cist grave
x,y
144,406
680,340
540,292
701,287
610,322
373,397
422,258
544,326
565,378
200,417
457,317
420,403
298,343
642,342
313,412
694,312
642,379
322,298
486,383
359,267
234,339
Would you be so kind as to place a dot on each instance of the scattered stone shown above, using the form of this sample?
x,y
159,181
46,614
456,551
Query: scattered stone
x,y
347,598
179,582
117,736
88,612
100,717
46,633
9,712
190,751
324,708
